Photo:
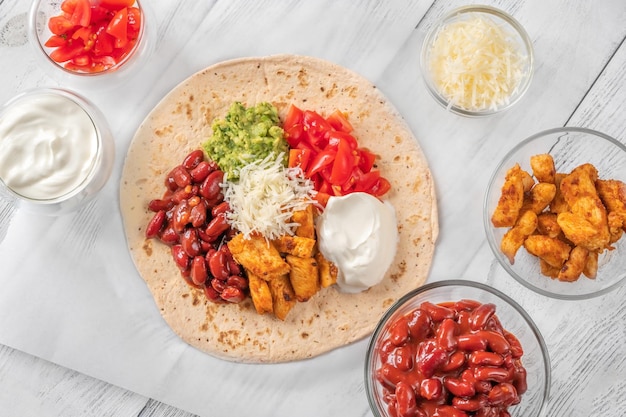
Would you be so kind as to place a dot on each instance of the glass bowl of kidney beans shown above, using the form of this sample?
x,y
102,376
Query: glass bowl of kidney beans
x,y
457,348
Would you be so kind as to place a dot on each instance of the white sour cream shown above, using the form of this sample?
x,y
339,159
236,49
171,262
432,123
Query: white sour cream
x,y
48,145
359,234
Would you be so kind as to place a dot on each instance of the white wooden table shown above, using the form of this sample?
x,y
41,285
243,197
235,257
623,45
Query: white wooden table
x,y
580,80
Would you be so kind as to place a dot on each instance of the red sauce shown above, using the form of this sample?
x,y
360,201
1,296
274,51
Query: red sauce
x,y
451,359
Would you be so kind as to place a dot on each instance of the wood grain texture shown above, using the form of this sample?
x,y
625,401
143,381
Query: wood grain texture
x,y
580,80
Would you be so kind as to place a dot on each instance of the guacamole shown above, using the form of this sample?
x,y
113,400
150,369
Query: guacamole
x,y
245,135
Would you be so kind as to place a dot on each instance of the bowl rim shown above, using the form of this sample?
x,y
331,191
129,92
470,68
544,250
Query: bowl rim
x,y
487,215
489,10
44,55
545,354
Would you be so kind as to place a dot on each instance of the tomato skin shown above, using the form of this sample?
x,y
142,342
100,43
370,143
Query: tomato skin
x,y
118,28
339,122
116,4
299,158
321,161
60,25
56,40
67,52
81,12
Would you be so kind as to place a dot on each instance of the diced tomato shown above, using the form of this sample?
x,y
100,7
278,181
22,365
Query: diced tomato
x,y
104,42
316,128
134,21
118,28
336,136
366,159
381,187
322,198
68,52
299,158
320,161
56,40
81,12
293,117
60,25
343,164
100,14
339,122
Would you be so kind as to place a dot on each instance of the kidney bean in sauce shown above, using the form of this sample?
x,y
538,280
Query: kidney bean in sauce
x,y
450,359
190,218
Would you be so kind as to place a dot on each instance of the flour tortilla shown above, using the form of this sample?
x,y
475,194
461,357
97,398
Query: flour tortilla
x,y
182,121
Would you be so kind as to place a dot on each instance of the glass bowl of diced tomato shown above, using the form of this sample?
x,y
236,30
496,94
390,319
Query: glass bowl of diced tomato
x,y
88,37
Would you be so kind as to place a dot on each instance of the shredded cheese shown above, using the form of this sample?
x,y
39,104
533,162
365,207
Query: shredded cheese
x,y
265,196
476,64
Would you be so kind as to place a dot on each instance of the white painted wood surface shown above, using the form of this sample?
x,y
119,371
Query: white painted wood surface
x,y
580,80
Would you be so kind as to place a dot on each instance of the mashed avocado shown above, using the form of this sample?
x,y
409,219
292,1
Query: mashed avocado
x,y
245,135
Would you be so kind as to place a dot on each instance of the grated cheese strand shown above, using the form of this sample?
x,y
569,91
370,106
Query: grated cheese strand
x,y
265,196
476,64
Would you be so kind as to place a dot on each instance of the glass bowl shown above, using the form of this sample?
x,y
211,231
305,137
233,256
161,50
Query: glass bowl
x,y
569,147
512,317
458,74
39,33
56,150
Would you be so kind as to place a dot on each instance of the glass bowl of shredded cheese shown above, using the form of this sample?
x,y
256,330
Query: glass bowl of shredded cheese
x,y
477,61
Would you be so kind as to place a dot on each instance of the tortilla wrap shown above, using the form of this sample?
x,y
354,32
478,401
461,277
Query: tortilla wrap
x,y
182,121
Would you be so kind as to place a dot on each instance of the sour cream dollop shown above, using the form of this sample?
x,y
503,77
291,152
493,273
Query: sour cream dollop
x,y
359,234
48,146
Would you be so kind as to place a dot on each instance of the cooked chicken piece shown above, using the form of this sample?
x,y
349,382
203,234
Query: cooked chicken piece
x,y
586,223
305,219
574,265
591,265
539,197
304,277
283,296
616,226
260,294
547,225
543,167
514,238
295,245
511,199
558,204
548,270
554,251
258,256
613,195
328,270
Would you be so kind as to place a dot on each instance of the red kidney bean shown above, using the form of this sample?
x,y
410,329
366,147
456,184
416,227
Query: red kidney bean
x,y
180,257
516,347
232,295
197,216
399,331
198,270
470,404
403,358
492,373
455,361
181,176
211,188
237,281
446,334
193,159
495,341
466,304
480,315
200,172
218,265
405,397
519,379
169,236
437,312
471,342
459,387
212,295
218,284
450,411
160,204
221,208
216,227
503,394
181,216
155,225
431,388
419,324
190,243
485,358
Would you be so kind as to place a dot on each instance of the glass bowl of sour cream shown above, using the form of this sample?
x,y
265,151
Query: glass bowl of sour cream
x,y
56,150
